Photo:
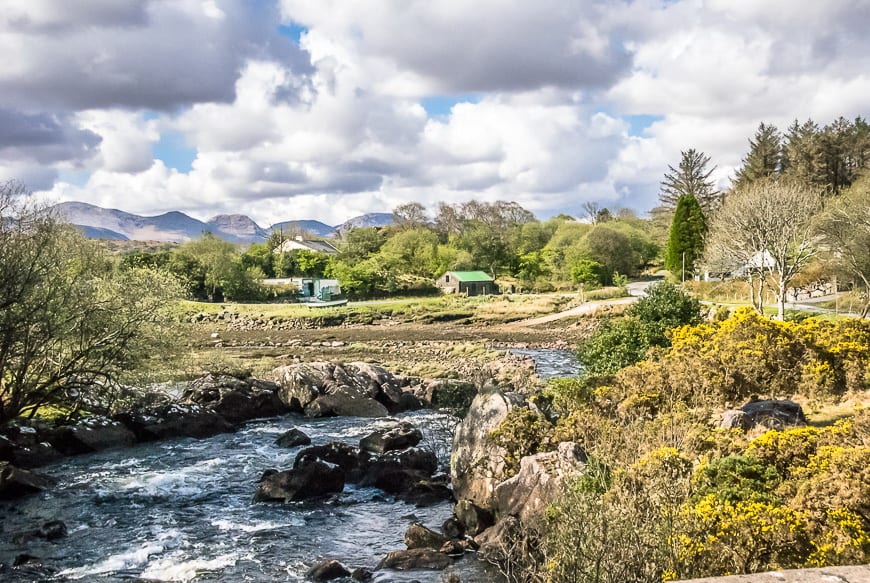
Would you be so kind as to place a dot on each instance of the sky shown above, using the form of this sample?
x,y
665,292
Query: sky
x,y
327,109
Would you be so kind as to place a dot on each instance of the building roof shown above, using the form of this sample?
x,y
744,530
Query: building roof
x,y
466,276
308,244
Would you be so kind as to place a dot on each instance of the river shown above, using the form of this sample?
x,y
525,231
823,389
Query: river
x,y
181,510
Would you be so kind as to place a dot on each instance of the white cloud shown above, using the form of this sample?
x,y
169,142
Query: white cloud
x,y
335,127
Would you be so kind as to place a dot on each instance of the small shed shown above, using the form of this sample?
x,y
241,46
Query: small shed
x,y
471,283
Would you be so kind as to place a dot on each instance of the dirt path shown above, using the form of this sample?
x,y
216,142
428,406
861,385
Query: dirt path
x,y
582,309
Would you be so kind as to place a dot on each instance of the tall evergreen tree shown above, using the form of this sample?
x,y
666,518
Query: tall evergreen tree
x,y
764,158
686,241
691,177
801,153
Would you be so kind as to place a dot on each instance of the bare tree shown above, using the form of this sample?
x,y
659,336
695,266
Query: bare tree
x,y
411,215
766,228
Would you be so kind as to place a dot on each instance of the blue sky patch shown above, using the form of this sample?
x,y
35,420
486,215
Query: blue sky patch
x,y
638,123
440,105
292,31
174,151
75,177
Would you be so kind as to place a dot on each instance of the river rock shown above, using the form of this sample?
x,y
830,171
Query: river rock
x,y
477,465
51,530
236,400
415,559
314,478
401,436
474,518
397,472
342,404
89,435
452,528
176,420
419,537
327,571
539,482
497,542
350,459
306,387
16,482
293,438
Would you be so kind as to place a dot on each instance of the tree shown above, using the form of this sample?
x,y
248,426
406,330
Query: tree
x,y
764,159
768,226
686,241
72,328
691,177
411,215
846,228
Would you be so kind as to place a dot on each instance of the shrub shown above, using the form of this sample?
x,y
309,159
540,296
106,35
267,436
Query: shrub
x,y
523,432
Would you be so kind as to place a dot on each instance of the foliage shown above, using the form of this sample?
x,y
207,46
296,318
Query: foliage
x,y
73,328
589,273
686,240
523,432
622,342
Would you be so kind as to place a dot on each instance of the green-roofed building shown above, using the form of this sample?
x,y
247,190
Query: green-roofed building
x,y
471,283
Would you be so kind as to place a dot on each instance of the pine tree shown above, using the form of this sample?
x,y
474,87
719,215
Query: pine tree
x,y
764,158
691,177
686,241
801,153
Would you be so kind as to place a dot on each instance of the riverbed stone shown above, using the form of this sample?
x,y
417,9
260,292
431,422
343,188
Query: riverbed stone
x,y
327,571
293,438
236,399
349,458
16,482
175,420
418,536
396,471
413,559
477,465
343,404
474,518
312,479
89,435
400,436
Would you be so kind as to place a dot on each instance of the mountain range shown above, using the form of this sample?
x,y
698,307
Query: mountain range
x,y
101,223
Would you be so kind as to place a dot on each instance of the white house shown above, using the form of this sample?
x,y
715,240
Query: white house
x,y
300,244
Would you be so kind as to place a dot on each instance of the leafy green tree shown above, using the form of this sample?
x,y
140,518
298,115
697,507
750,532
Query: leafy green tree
x,y
413,251
72,328
612,249
310,263
764,159
360,244
588,272
691,177
665,307
213,270
260,255
686,241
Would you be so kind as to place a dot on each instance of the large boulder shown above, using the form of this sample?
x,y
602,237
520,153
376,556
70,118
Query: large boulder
x,y
477,465
312,479
351,460
176,420
343,403
90,434
398,472
236,400
399,436
771,414
15,482
325,388
539,482
414,559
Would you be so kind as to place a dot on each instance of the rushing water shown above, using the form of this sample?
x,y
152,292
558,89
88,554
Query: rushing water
x,y
550,362
181,510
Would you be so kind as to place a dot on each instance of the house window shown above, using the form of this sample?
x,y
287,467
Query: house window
x,y
447,278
